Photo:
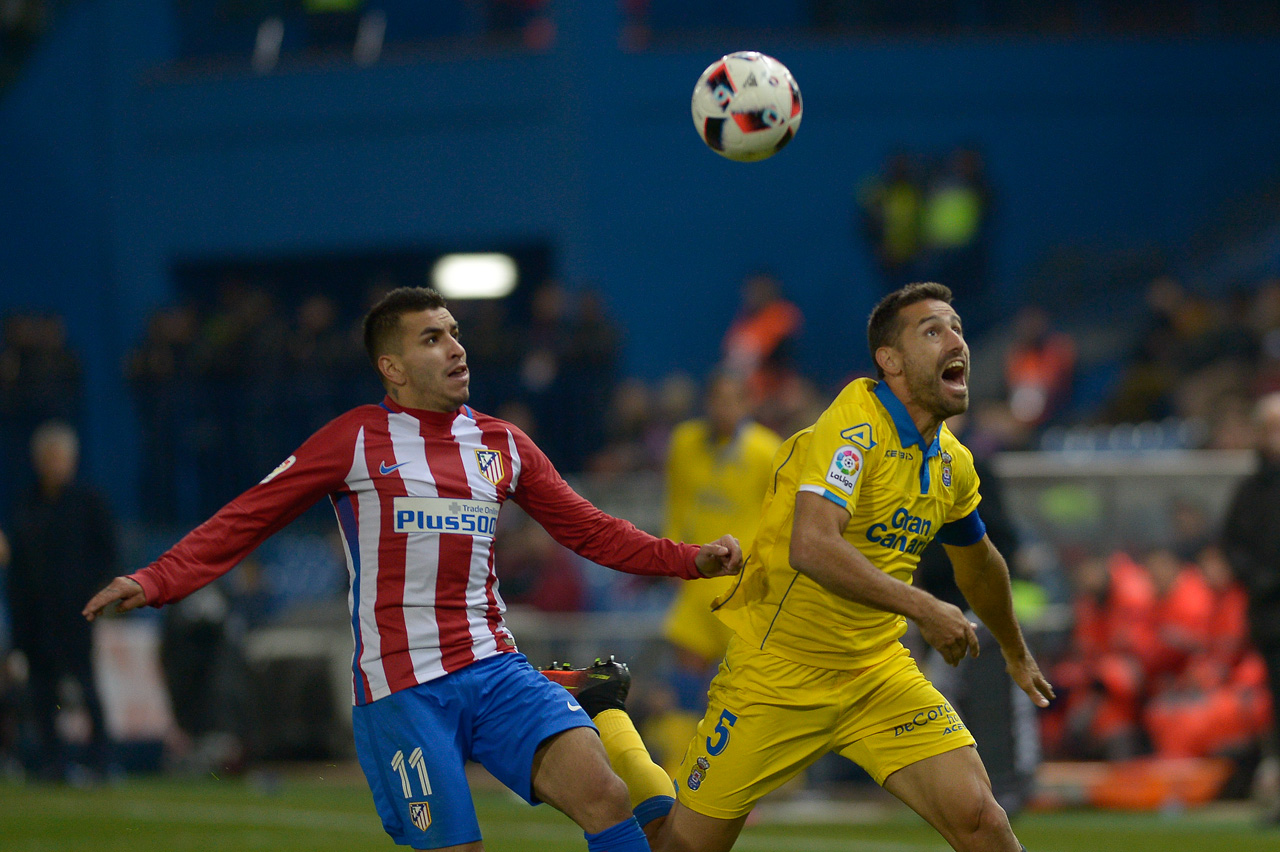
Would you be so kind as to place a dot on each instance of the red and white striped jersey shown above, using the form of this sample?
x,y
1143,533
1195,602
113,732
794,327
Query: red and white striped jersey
x,y
417,495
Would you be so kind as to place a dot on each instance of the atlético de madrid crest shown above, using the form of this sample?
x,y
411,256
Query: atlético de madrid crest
x,y
420,813
490,464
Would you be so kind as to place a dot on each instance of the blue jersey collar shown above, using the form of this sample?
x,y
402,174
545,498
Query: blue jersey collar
x,y
908,434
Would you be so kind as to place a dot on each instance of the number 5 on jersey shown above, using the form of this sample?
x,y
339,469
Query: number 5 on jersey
x,y
725,722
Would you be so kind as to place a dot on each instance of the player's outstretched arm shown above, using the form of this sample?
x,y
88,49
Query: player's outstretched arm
x,y
128,593
983,578
720,558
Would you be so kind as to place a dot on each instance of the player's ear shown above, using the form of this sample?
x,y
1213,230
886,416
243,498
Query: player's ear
x,y
888,359
391,370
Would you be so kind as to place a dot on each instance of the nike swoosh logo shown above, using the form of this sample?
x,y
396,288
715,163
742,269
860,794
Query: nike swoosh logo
x,y
572,706
384,470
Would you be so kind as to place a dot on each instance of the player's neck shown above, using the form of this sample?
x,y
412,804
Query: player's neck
x,y
926,422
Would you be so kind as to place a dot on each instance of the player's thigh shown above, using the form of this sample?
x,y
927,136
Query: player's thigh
x,y
411,746
517,711
893,718
767,720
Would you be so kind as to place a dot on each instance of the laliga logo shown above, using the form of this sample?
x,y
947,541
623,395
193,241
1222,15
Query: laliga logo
x,y
847,461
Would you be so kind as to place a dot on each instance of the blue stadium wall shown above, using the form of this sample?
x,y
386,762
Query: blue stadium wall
x,y
113,166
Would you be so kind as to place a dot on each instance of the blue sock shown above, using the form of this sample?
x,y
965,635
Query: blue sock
x,y
652,808
626,836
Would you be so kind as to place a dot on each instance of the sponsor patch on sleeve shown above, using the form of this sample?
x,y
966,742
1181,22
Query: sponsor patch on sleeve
x,y
845,467
280,468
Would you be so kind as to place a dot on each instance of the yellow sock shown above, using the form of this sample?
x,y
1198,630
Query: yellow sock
x,y
630,759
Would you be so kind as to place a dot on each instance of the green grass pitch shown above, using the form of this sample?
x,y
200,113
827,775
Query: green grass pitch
x,y
307,811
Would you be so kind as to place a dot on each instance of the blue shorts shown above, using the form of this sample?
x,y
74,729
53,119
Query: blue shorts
x,y
414,743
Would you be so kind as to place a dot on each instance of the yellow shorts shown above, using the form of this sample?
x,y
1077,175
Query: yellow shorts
x,y
690,623
769,718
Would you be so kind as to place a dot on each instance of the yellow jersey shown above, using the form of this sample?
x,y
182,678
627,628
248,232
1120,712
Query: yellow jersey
x,y
712,489
865,454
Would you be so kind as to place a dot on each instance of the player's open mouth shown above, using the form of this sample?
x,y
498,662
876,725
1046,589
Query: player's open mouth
x,y
954,374
459,372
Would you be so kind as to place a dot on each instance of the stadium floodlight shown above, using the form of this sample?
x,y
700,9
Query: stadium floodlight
x,y
490,275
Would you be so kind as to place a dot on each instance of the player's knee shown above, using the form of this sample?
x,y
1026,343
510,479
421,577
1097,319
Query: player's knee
x,y
614,791
613,802
983,825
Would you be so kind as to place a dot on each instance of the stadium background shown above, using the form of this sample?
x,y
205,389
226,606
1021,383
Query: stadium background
x,y
143,157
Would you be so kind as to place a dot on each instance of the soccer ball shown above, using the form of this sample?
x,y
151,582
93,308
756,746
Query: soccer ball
x,y
746,106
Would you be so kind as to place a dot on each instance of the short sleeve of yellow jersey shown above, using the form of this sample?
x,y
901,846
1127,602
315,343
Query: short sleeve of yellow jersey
x,y
965,483
838,454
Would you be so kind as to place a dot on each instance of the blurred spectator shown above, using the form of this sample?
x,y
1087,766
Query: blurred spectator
x,y
1181,609
718,469
159,371
1038,368
955,230
207,676
591,372
1101,680
63,544
321,354
1218,704
40,379
536,571
758,344
631,432
239,365
1251,539
1171,346
568,371
795,404
890,206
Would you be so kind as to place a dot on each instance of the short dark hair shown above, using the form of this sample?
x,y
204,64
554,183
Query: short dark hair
x,y
382,323
885,324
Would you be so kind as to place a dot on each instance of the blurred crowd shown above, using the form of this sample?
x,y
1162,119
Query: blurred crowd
x,y
929,219
268,31
647,19
1159,661
227,386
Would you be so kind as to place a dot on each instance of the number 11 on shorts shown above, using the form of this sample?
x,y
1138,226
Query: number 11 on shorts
x,y
417,762
722,733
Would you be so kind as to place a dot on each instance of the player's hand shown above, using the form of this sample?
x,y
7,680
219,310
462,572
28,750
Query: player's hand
x,y
1022,667
948,630
129,594
720,558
